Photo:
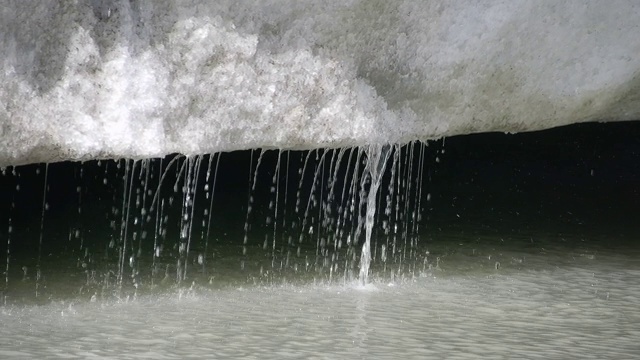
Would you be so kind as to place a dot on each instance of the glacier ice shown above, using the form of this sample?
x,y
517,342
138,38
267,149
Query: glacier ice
x,y
90,79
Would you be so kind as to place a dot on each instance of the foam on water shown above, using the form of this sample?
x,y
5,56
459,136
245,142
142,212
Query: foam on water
x,y
126,78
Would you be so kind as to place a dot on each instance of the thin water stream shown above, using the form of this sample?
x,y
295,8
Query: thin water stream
x,y
172,202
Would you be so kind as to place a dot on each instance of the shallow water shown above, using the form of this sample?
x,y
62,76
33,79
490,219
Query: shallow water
x,y
550,297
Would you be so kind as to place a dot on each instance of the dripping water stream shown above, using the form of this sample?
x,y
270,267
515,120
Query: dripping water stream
x,y
377,157
44,208
140,226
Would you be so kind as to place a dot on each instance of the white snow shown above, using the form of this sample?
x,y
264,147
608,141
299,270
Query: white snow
x,y
92,79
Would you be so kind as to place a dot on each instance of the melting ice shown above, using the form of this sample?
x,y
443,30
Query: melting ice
x,y
358,80
132,79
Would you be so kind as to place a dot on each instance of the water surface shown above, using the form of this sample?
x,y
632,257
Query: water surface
x,y
556,298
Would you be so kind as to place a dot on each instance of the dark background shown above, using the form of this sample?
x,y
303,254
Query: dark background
x,y
580,178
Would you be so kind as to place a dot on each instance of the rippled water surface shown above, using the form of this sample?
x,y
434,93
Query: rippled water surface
x,y
483,299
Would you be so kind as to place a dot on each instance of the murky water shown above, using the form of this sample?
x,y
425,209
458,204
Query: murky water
x,y
544,296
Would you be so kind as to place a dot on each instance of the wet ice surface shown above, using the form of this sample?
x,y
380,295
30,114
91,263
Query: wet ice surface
x,y
135,79
554,301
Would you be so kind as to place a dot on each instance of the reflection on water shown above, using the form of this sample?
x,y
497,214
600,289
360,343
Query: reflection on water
x,y
553,298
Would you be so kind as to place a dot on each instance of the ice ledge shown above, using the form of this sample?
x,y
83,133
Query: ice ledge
x,y
112,79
